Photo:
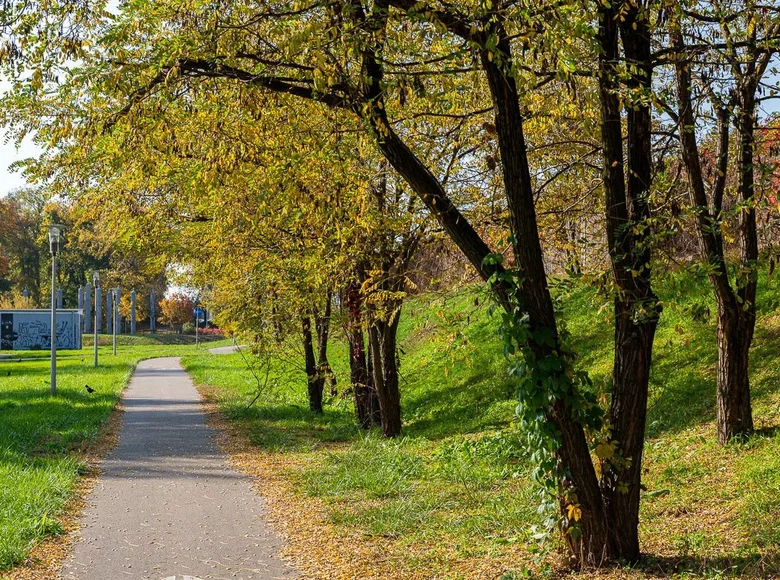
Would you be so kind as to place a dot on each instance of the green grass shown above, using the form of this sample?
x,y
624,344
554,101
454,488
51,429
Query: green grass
x,y
458,477
41,435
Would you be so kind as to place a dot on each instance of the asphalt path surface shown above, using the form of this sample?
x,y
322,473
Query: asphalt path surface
x,y
224,350
167,505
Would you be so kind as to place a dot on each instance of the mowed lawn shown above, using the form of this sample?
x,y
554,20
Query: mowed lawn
x,y
41,436
454,497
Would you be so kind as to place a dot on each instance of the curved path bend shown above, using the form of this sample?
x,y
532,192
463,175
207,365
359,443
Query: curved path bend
x,y
167,505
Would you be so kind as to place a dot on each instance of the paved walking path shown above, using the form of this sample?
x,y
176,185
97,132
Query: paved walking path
x,y
167,504
224,350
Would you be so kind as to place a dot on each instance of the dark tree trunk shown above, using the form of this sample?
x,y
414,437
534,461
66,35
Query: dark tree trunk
x,y
735,333
621,481
323,332
736,307
314,379
636,306
382,341
366,400
591,544
737,318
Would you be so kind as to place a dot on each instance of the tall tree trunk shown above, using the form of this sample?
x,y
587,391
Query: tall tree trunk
x,y
591,544
636,306
622,476
315,381
737,317
736,308
366,400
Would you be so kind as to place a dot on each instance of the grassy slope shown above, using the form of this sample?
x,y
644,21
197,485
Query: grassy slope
x,y
40,436
456,489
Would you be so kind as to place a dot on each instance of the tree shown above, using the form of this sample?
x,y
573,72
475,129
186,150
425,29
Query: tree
x,y
176,310
354,60
21,240
737,63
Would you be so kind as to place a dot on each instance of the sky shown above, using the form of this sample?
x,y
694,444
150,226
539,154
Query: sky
x,y
9,153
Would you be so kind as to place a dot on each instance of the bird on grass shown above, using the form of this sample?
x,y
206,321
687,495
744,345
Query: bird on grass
x,y
89,389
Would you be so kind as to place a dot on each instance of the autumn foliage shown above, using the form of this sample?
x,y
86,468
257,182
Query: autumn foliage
x,y
176,309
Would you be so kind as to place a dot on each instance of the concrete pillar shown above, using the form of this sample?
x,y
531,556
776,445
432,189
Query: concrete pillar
x,y
59,298
109,311
118,321
80,301
98,309
152,312
132,312
88,308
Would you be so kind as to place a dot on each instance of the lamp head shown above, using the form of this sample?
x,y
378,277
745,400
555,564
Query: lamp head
x,y
95,278
55,231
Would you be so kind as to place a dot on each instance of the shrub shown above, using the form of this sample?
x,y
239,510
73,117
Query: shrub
x,y
212,331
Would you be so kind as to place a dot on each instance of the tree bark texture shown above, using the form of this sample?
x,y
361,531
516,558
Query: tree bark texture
x,y
735,333
383,342
598,529
627,209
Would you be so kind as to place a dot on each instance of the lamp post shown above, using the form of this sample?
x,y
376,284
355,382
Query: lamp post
x,y
54,245
95,283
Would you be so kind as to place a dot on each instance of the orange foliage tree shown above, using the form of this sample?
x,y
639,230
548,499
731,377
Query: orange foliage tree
x,y
176,309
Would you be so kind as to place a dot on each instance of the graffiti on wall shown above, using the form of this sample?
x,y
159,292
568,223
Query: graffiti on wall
x,y
31,330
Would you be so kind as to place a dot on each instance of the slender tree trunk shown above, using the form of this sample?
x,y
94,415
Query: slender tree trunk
x,y
737,317
621,478
636,306
366,400
314,379
591,540
382,338
736,308
591,545
323,332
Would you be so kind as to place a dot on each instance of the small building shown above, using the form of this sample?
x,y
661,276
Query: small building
x,y
31,329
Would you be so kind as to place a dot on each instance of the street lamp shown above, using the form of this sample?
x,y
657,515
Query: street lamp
x,y
54,245
95,282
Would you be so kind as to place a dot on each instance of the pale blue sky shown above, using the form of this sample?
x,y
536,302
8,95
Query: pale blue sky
x,y
9,154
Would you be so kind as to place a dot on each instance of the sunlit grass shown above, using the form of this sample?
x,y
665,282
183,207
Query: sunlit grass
x,y
458,477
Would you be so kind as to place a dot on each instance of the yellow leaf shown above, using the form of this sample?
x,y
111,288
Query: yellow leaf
x,y
604,450
574,512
